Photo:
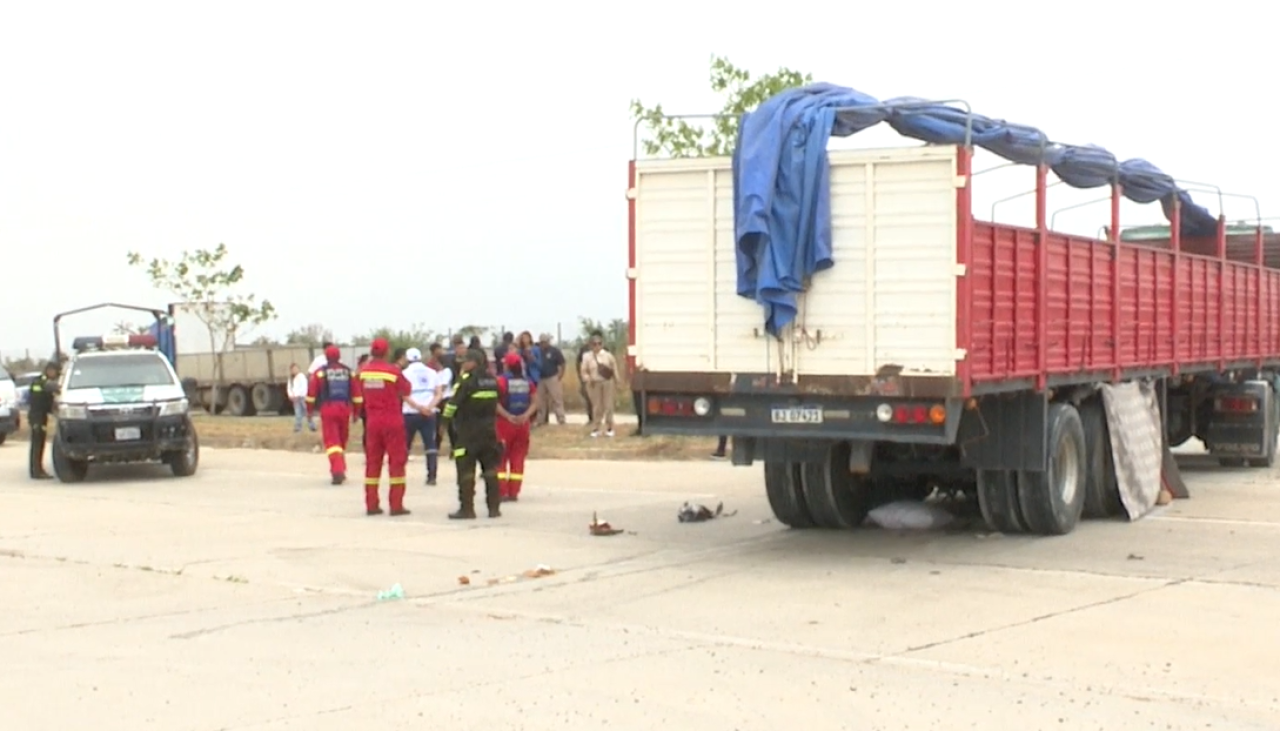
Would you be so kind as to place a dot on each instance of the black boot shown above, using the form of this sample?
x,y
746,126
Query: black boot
x,y
338,479
466,503
492,494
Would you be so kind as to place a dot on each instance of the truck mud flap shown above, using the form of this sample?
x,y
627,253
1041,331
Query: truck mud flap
x,y
1005,432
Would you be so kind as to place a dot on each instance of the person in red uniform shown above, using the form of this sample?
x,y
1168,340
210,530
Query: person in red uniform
x,y
380,388
517,405
329,390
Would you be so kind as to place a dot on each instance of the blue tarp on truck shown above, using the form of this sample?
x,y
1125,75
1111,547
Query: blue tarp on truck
x,y
782,197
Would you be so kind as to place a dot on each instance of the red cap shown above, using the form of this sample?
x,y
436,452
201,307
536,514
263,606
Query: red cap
x,y
332,353
512,359
379,347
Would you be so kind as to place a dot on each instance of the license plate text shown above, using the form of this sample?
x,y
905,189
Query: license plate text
x,y
797,415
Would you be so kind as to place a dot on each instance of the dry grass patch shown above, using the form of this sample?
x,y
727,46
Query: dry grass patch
x,y
550,442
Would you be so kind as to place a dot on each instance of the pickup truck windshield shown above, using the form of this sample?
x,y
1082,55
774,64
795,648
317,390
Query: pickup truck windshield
x,y
132,369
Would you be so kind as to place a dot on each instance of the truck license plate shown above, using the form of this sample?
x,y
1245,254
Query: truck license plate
x,y
128,433
798,415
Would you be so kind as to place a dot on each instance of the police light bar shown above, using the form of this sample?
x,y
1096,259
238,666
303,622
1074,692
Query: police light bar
x,y
105,342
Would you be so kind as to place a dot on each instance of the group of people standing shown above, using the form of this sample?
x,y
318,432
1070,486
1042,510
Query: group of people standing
x,y
486,411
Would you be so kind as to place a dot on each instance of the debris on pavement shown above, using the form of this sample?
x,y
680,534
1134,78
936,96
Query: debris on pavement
x,y
464,580
695,513
539,571
910,515
598,528
395,592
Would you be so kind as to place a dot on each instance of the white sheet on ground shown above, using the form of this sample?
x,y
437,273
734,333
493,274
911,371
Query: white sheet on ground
x,y
910,515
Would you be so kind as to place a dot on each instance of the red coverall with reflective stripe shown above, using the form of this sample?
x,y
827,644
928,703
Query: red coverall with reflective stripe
x,y
515,444
381,388
335,418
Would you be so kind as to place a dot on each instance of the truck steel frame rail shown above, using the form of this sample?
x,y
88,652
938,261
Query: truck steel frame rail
x,y
1053,336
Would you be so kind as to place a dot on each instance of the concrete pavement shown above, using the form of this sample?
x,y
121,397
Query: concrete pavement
x,y
244,598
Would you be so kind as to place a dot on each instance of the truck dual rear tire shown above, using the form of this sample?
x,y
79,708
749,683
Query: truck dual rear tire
x,y
783,486
836,498
998,499
1102,494
1045,503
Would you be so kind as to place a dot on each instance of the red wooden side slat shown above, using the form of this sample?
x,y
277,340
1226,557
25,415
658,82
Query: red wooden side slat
x,y
1226,311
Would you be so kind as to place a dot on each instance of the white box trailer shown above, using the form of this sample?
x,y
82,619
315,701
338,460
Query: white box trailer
x,y
890,301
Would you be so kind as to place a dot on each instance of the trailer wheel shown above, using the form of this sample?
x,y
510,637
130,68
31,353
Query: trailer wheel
x,y
1052,501
238,403
1102,494
782,484
998,499
266,398
836,497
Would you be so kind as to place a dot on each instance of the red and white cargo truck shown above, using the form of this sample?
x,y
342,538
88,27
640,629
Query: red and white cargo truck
x,y
1041,371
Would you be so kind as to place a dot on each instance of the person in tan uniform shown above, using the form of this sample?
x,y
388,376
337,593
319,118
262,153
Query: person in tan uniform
x,y
599,371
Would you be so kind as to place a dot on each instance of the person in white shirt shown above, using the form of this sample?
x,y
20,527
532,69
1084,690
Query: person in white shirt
x,y
444,387
422,379
319,361
297,392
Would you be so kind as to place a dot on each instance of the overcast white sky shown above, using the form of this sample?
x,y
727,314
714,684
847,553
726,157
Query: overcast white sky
x,y
386,163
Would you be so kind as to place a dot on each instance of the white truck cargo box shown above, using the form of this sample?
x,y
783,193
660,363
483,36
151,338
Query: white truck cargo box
x,y
890,299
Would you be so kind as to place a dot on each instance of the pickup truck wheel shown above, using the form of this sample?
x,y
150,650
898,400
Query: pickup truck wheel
x,y
782,485
66,469
998,499
1052,501
1102,494
184,463
836,498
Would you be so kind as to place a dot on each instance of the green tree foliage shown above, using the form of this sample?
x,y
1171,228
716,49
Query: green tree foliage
x,y
418,336
740,93
313,335
208,285
615,334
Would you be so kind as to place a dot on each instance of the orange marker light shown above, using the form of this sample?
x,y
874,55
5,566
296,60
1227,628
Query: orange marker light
x,y
938,414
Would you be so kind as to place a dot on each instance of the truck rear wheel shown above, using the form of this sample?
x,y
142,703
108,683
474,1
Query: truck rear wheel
x,y
238,402
782,485
998,499
1053,500
265,398
1102,495
836,498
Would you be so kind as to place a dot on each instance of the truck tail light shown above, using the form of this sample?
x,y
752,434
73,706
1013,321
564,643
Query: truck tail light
x,y
670,406
1235,404
935,414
